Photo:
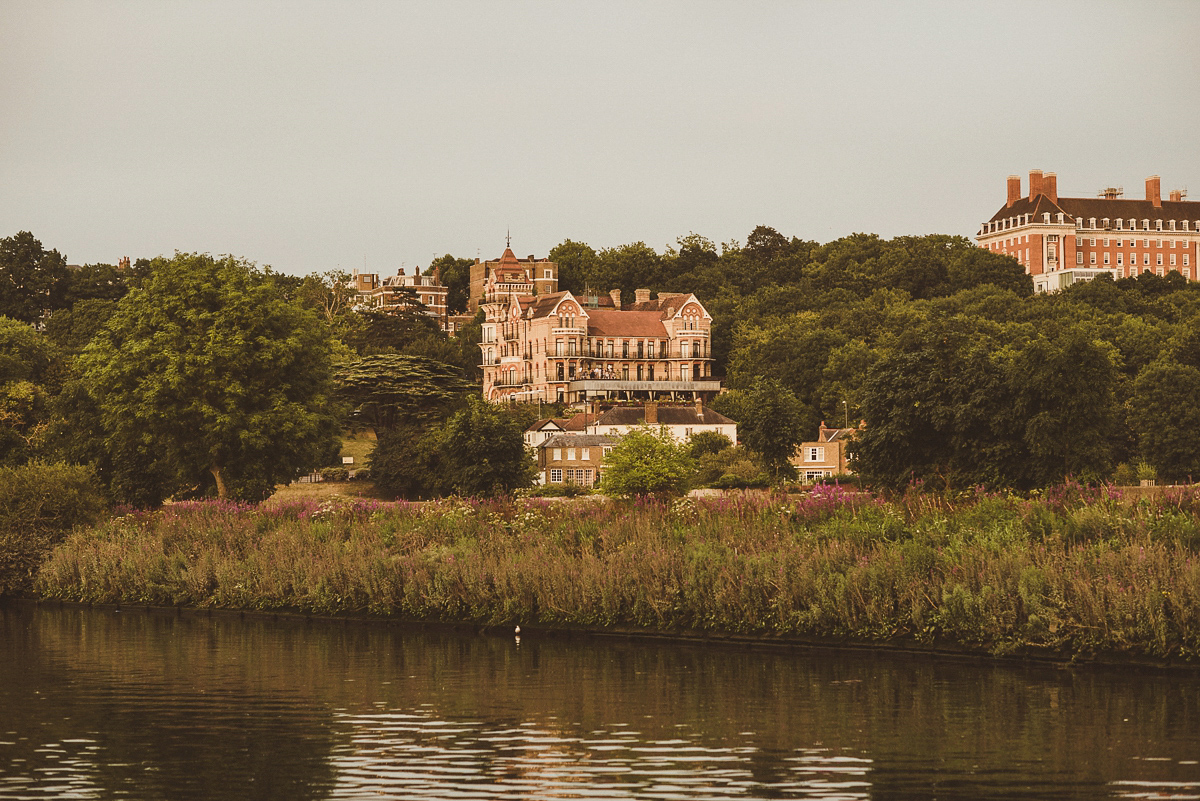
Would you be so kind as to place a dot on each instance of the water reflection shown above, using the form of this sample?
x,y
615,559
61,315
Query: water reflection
x,y
98,704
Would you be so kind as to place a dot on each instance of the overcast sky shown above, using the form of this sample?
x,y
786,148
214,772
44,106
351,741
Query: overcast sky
x,y
311,136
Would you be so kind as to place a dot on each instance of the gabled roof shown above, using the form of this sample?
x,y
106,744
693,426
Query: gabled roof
x,y
667,416
547,423
544,305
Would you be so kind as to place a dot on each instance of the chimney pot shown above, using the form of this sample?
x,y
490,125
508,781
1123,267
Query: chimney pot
x,y
1014,190
1050,186
1035,184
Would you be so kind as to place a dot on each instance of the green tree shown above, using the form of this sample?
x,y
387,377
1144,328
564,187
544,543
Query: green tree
x,y
1165,414
455,275
646,461
772,424
208,372
28,381
576,266
33,280
483,451
389,391
703,442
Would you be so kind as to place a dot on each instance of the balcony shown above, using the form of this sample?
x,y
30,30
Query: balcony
x,y
569,332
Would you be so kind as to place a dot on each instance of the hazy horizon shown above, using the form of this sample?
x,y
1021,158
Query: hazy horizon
x,y
311,136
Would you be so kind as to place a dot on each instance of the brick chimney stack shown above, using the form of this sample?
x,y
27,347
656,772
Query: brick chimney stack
x,y
1176,195
1154,191
1035,184
1014,189
1050,186
651,413
641,296
615,294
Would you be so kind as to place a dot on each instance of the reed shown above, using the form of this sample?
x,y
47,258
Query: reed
x,y
1074,572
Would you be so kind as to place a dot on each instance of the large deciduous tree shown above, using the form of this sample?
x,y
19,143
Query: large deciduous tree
x,y
33,280
208,375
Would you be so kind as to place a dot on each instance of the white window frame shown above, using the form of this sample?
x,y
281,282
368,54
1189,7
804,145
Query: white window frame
x,y
556,476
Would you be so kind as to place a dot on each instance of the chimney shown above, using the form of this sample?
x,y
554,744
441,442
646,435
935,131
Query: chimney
x,y
615,294
641,296
1154,191
1035,184
651,413
1176,195
1050,186
700,407
1014,189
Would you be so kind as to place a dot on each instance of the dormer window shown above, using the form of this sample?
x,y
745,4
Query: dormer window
x,y
1172,226
1060,218
1046,217
1119,224
1145,224
1158,225
1091,222
1104,223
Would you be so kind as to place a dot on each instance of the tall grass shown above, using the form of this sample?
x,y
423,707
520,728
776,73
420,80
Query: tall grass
x,y
1072,572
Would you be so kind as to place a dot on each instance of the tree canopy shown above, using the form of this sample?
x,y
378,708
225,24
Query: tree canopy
x,y
206,374
647,461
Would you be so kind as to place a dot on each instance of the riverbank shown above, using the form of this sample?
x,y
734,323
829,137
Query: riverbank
x,y
1074,574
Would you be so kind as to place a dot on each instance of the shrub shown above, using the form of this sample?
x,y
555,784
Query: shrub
x,y
39,504
566,490
335,474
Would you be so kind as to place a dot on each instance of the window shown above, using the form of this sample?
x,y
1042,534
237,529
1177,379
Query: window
x,y
558,347
1172,259
1092,242
1186,259
607,450
650,350
1106,259
585,454
570,454
1158,259
1079,257
685,372
815,455
1146,258
587,477
687,432
555,476
639,372
1091,258
548,274
1106,242
1119,262
610,349
1079,241
1158,270
625,349
558,454
1158,243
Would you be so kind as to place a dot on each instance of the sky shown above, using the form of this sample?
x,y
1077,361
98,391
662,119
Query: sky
x,y
312,136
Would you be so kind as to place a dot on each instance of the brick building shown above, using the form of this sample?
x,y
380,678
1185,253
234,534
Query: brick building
x,y
510,277
573,458
400,290
559,347
824,457
1061,240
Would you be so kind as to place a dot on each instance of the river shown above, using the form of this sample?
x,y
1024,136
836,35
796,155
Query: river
x,y
155,705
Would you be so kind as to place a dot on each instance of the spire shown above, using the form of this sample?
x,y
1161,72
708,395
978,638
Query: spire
x,y
507,238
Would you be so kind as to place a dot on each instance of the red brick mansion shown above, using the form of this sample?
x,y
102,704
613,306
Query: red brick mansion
x,y
1061,240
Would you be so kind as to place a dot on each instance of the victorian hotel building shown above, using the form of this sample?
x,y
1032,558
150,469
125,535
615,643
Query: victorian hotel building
x,y
1062,240
542,344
